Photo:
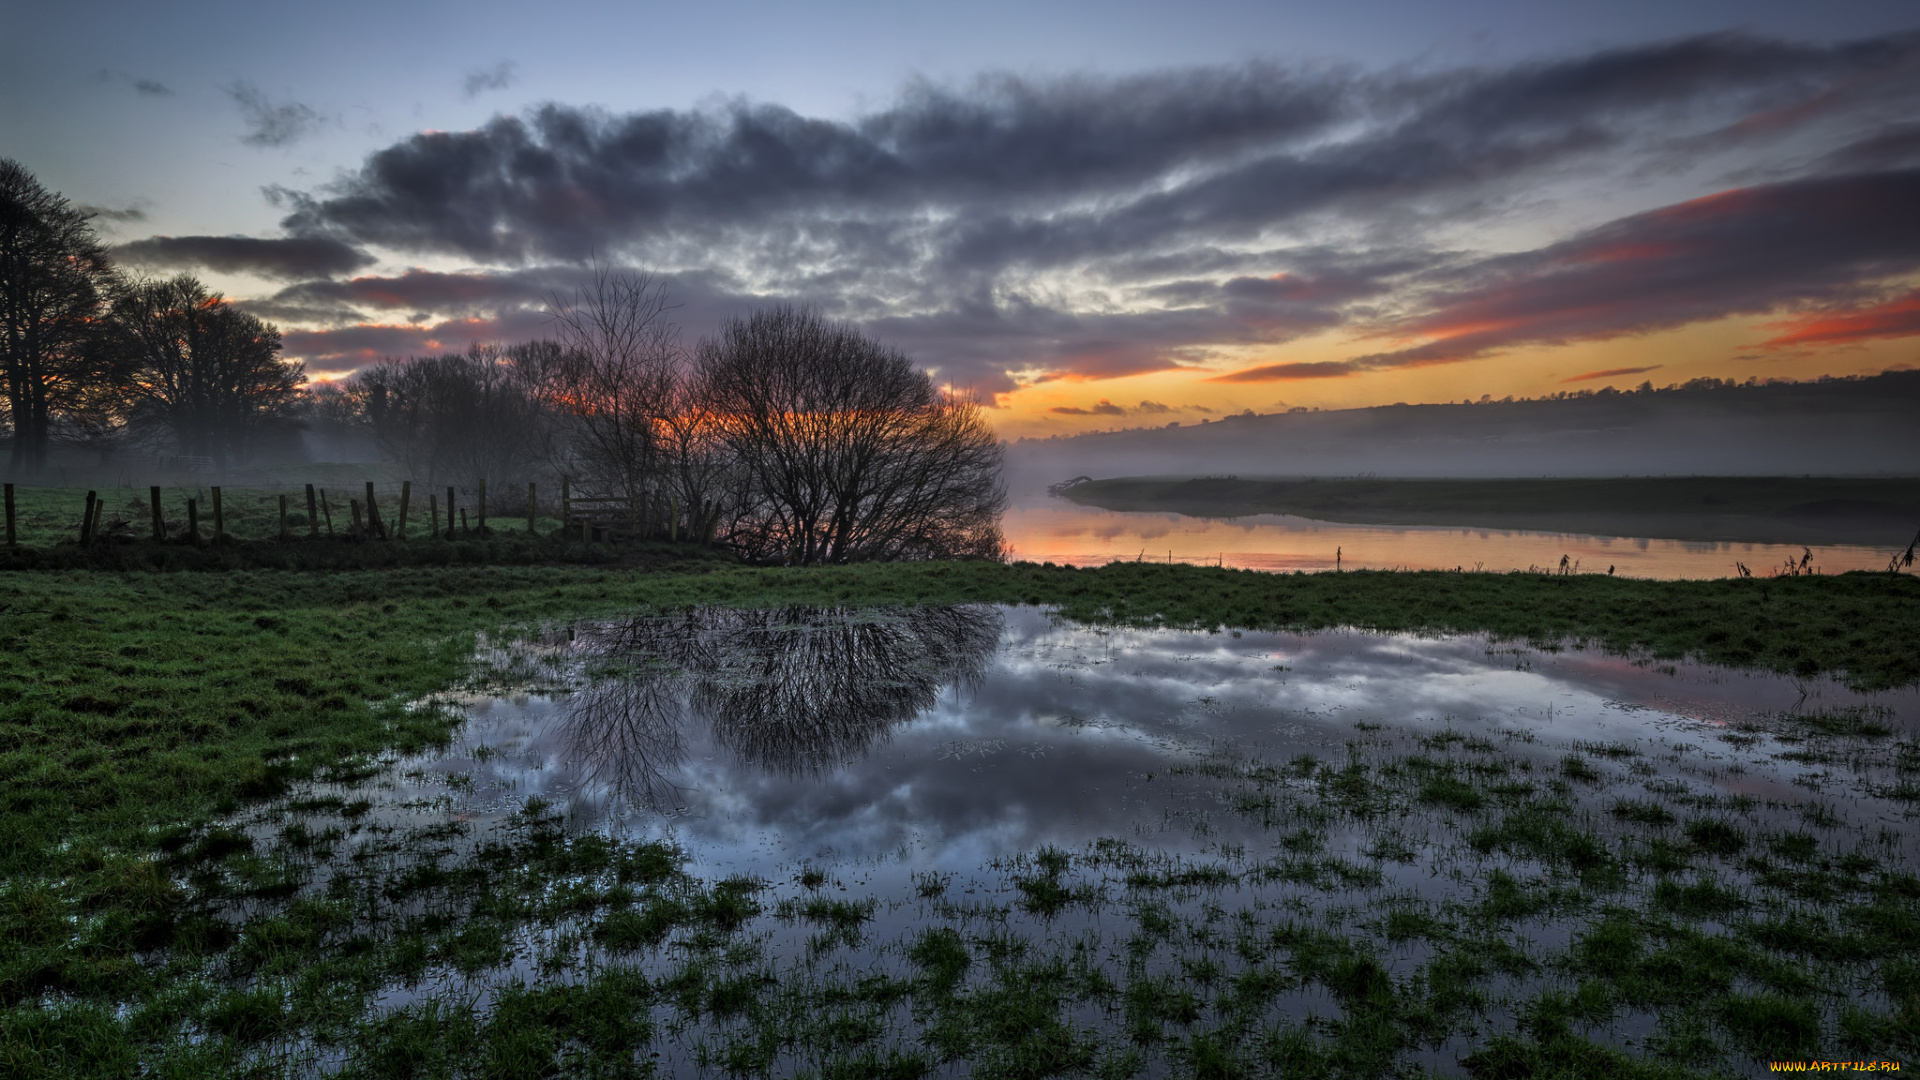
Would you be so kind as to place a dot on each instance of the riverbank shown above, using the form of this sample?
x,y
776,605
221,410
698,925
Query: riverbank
x,y
1880,511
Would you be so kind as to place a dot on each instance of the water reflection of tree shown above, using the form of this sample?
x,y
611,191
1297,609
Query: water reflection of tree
x,y
791,691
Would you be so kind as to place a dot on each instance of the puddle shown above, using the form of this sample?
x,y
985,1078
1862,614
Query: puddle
x,y
998,770
945,738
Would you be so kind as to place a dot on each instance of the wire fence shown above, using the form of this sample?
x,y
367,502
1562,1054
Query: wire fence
x,y
369,510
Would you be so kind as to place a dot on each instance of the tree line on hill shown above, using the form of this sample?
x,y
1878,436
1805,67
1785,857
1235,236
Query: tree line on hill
x,y
786,436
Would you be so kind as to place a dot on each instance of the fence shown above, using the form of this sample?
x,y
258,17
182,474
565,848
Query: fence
x,y
372,511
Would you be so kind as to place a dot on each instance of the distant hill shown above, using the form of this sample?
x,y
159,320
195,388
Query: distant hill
x,y
1867,426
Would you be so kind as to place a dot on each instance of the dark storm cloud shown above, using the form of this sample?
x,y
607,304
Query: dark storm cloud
x,y
290,257
1014,230
272,123
1055,171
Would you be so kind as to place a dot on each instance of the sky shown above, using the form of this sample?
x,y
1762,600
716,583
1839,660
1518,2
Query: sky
x,y
1089,215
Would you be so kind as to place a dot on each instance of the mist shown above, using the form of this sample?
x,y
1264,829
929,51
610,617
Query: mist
x,y
1838,427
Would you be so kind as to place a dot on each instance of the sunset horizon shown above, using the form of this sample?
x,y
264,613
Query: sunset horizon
x,y
1124,235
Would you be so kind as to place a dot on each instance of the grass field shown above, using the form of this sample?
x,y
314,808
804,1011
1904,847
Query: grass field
x,y
139,710
45,516
1761,509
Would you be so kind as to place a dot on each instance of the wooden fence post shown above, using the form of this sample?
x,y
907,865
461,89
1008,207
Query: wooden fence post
x,y
219,520
463,519
374,530
159,525
406,494
433,512
566,510
193,521
10,532
324,509
358,529
450,512
283,519
481,501
530,506
86,521
313,516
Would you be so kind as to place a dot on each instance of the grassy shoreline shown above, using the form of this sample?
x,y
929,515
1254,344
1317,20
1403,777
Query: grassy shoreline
x,y
188,666
1875,511
144,706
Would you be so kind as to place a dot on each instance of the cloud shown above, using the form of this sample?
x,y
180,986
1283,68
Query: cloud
x,y
429,290
1011,231
1105,408
1293,372
291,257
343,349
1108,408
271,124
1740,252
1010,169
1612,373
1895,318
1891,147
143,87
117,215
480,80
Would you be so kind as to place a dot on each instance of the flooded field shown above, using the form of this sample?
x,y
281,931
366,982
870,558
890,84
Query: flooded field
x,y
979,841
1045,529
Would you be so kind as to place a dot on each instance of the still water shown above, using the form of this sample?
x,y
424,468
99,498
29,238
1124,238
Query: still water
x,y
945,738
1044,529
1150,798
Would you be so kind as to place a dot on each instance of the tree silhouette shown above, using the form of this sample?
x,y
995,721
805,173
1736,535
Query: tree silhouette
x,y
790,691
54,277
851,451
205,372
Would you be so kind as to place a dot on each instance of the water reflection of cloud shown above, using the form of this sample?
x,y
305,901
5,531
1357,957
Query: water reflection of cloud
x,y
1051,734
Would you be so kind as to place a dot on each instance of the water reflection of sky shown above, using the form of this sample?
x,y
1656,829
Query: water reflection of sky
x,y
1054,530
1000,730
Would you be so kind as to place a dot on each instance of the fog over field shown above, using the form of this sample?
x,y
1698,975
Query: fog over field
x,y
1836,427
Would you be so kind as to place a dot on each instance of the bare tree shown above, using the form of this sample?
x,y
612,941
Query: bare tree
x,y
851,451
453,417
54,277
614,378
793,690
205,372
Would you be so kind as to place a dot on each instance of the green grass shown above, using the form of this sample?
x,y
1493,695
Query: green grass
x,y
45,516
136,708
